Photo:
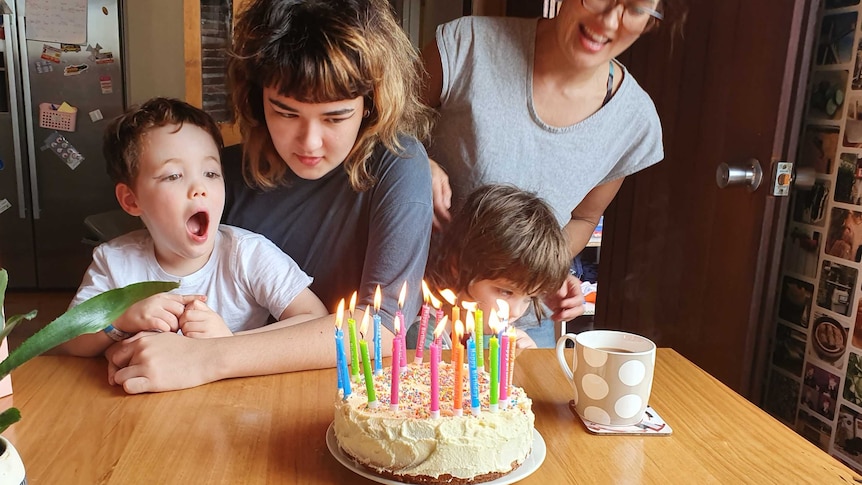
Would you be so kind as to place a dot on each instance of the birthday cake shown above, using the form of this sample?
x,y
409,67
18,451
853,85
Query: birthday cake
x,y
410,446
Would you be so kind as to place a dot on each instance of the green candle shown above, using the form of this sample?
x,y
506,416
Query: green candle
x,y
354,350
495,379
369,377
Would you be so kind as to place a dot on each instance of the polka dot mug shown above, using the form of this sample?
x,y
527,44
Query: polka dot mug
x,y
611,374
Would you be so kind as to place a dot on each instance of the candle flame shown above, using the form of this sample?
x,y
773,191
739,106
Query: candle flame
x,y
426,292
364,325
471,323
441,325
470,306
353,303
402,295
377,298
434,301
503,305
448,295
339,314
512,332
459,330
493,321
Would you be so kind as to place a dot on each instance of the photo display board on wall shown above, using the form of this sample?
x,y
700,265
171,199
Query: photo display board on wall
x,y
815,378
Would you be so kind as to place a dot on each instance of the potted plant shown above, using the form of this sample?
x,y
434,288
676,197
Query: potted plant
x,y
91,316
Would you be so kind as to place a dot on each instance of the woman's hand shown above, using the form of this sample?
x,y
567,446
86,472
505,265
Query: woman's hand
x,y
568,302
441,192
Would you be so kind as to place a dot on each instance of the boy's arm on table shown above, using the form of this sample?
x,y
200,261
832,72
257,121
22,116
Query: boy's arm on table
x,y
155,362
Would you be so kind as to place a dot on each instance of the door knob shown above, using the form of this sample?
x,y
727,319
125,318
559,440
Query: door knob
x,y
748,174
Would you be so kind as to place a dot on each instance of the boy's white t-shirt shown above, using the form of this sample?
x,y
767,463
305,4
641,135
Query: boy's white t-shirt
x,y
247,278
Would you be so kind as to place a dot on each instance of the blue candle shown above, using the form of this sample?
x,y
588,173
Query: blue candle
x,y
474,376
378,350
344,377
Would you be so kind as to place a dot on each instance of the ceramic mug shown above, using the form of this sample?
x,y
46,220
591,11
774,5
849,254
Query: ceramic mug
x,y
611,374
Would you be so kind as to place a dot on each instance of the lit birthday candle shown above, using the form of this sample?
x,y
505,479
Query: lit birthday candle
x,y
475,406
366,362
423,323
504,369
400,317
493,358
471,308
458,363
396,374
512,338
354,344
503,316
438,313
378,351
452,299
480,338
341,359
435,369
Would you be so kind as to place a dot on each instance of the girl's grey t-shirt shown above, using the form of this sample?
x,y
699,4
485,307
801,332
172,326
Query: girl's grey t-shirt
x,y
489,132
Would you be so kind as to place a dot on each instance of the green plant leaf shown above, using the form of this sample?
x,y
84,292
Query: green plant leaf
x,y
14,321
8,418
91,316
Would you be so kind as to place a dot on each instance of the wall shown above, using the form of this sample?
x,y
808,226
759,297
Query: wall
x,y
154,49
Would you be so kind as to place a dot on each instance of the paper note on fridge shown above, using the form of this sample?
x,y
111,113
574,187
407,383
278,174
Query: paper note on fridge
x,y
62,21
65,108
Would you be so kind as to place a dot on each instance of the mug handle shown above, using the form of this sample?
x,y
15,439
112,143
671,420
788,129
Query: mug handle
x,y
561,358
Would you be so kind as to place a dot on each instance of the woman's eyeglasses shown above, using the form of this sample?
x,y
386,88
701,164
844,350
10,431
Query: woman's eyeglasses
x,y
638,15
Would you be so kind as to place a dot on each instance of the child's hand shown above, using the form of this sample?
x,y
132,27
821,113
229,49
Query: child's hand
x,y
524,341
159,312
200,321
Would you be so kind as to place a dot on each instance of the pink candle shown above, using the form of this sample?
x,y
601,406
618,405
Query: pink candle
x,y
435,379
402,359
396,374
423,324
504,369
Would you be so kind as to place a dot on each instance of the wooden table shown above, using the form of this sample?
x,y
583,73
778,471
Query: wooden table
x,y
76,429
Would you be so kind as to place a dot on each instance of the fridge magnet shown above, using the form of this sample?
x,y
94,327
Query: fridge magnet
x,y
782,394
829,340
848,435
96,115
836,38
848,183
809,205
98,56
75,69
802,246
50,53
789,350
818,147
836,285
827,94
106,84
820,391
62,117
70,48
794,304
60,146
42,67
4,204
814,429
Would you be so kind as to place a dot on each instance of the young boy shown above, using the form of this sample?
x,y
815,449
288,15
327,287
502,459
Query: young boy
x,y
504,244
165,159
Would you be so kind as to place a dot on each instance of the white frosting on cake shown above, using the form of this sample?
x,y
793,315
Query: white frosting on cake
x,y
408,442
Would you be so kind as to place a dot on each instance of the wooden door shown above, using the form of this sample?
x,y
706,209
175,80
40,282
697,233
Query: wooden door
x,y
688,264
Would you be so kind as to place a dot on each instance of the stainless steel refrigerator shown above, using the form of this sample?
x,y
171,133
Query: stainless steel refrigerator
x,y
61,81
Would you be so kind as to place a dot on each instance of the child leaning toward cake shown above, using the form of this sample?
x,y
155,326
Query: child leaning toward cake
x,y
165,160
503,244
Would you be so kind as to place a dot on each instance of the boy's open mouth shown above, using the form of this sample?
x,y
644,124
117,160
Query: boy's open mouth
x,y
198,224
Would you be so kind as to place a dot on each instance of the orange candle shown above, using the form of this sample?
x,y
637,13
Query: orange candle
x,y
458,363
